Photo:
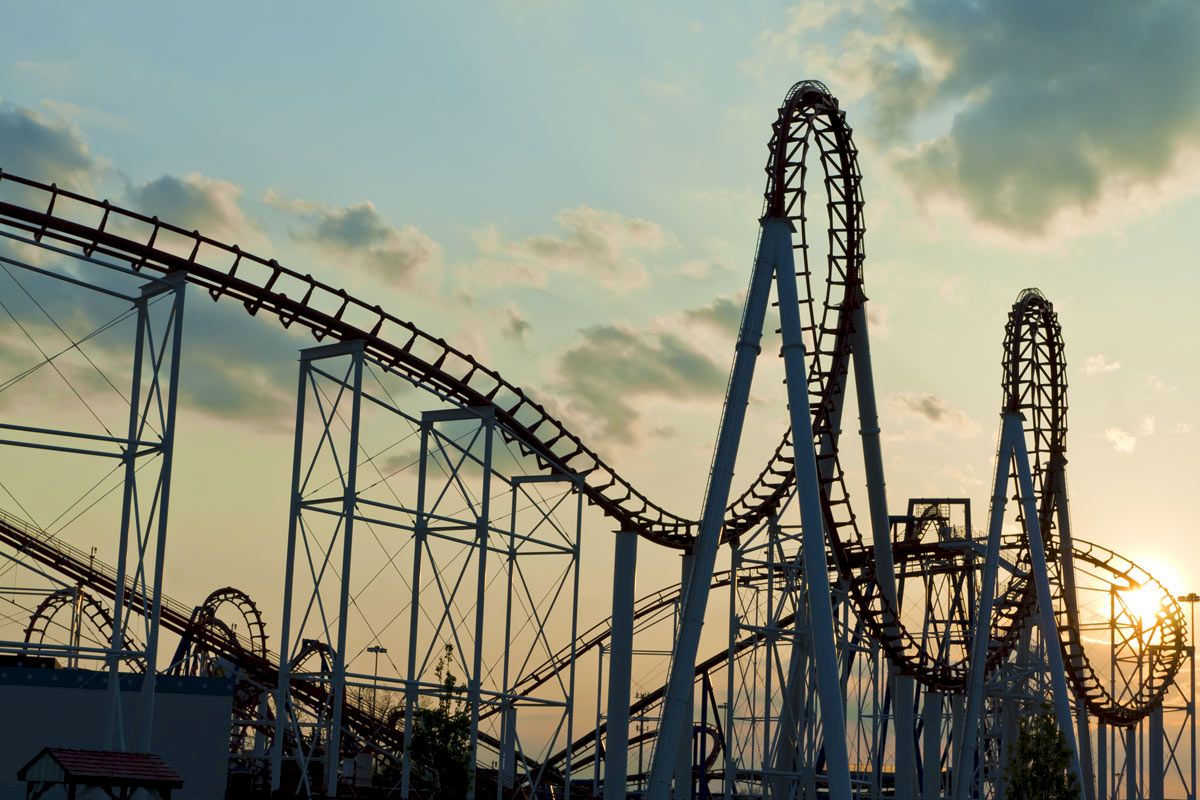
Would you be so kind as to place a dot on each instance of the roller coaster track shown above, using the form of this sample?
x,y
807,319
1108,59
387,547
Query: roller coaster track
x,y
248,653
98,231
1035,385
810,126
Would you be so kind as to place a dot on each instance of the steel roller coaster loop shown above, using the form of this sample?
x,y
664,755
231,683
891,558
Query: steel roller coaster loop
x,y
809,121
810,125
82,616
94,231
1035,385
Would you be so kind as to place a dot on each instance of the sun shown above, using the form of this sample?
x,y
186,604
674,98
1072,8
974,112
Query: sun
x,y
1142,604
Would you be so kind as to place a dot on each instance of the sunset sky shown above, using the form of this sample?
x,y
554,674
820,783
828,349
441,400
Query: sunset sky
x,y
570,192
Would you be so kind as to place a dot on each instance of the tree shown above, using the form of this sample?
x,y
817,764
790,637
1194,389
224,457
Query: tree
x,y
441,735
1039,767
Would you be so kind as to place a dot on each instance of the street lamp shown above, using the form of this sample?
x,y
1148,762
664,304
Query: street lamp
x,y
376,650
1191,599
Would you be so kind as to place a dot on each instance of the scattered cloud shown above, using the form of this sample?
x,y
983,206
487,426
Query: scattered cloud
x,y
605,246
878,320
723,314
1156,384
702,269
606,381
1181,429
56,72
93,116
45,148
1030,115
1126,442
196,202
934,411
1122,440
358,235
1097,364
1037,88
602,377
515,325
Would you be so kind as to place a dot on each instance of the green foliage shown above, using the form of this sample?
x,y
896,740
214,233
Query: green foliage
x,y
441,735
1039,767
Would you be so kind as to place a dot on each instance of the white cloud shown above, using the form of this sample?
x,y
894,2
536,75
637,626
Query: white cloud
x,y
1156,384
359,235
1094,365
1122,440
935,411
197,202
605,246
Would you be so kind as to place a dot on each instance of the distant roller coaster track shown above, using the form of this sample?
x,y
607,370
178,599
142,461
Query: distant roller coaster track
x,y
809,124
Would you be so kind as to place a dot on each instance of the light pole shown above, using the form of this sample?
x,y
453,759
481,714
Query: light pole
x,y
375,650
1191,599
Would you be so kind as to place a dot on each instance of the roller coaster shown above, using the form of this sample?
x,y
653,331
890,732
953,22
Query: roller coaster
x,y
868,655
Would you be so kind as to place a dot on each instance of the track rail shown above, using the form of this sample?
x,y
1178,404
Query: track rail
x,y
1035,385
810,129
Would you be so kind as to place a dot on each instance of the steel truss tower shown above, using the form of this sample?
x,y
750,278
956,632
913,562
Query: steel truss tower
x,y
143,452
488,561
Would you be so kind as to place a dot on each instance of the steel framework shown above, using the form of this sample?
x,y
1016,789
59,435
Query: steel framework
x,y
888,659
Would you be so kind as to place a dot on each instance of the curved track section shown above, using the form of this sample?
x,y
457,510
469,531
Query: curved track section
x,y
1035,385
81,611
810,129
810,126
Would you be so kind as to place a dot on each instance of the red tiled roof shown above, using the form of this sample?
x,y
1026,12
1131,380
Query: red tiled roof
x,y
107,766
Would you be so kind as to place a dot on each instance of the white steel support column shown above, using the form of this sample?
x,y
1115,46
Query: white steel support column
x,y
777,241
116,727
683,660
965,748
1102,762
931,745
903,687
282,700
420,532
177,281
340,509
1067,576
1046,617
333,752
1155,766
1131,759
683,760
735,564
482,525
616,751
142,521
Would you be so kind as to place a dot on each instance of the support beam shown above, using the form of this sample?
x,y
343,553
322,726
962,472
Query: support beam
x,y
683,660
931,745
683,760
981,629
1045,600
616,752
1131,759
903,687
777,241
1155,766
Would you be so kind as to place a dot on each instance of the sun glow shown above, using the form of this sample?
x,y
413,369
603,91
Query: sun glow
x,y
1142,604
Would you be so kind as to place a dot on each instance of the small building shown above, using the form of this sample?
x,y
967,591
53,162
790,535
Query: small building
x,y
63,772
